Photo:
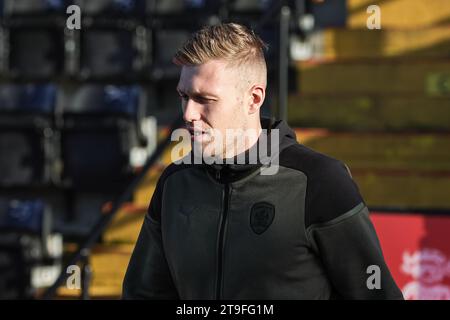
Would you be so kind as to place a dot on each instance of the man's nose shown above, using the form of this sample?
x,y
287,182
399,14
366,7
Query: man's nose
x,y
191,111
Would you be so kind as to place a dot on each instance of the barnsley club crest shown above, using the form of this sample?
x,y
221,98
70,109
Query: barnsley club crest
x,y
428,268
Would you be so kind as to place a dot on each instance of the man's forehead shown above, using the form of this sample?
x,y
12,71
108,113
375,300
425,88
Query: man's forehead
x,y
211,69
205,77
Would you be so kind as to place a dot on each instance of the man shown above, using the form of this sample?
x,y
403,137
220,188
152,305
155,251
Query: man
x,y
232,231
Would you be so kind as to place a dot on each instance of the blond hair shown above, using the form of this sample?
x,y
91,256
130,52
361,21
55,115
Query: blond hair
x,y
234,43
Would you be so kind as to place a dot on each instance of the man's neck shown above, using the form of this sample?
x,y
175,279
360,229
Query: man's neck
x,y
250,141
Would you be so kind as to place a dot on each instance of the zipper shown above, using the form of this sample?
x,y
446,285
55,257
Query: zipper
x,y
221,242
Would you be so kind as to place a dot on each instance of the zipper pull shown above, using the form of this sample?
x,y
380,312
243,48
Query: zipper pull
x,y
217,174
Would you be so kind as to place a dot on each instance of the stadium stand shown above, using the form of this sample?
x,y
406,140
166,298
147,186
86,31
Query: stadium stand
x,y
72,104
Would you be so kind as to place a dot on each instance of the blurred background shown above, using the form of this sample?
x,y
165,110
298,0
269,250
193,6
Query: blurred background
x,y
85,115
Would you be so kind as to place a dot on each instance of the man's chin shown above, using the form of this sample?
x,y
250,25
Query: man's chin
x,y
205,149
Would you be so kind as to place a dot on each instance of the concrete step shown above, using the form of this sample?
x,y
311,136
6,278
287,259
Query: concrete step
x,y
403,170
408,190
369,112
126,225
425,152
339,44
400,14
109,263
379,77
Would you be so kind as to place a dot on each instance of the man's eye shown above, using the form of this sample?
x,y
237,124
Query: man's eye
x,y
204,100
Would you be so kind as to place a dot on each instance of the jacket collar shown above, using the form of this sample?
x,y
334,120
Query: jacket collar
x,y
234,171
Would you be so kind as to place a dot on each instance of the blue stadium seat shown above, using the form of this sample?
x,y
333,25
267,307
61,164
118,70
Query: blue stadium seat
x,y
111,7
165,44
29,98
100,99
330,14
270,37
22,157
247,12
27,215
171,7
187,14
27,7
249,6
96,158
107,53
24,230
100,128
36,52
26,116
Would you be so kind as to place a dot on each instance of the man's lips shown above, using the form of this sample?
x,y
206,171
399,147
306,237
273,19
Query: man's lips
x,y
195,131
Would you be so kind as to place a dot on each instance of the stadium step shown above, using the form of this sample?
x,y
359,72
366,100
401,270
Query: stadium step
x,y
369,112
108,263
400,14
345,44
391,151
380,77
126,225
405,170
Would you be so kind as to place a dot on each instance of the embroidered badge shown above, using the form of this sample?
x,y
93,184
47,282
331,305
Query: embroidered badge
x,y
261,216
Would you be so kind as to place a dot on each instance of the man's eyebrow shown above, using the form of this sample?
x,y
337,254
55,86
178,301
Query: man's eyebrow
x,y
198,94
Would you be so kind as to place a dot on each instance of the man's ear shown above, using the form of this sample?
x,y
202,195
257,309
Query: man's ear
x,y
257,95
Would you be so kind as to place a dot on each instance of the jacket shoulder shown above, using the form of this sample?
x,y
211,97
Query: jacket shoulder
x,y
171,169
330,192
154,209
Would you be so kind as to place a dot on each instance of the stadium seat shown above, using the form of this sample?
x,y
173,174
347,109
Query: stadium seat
x,y
107,100
98,133
162,97
111,7
36,52
107,53
329,14
189,14
28,98
26,149
96,158
249,6
28,215
30,254
247,11
27,7
21,157
271,38
171,7
165,45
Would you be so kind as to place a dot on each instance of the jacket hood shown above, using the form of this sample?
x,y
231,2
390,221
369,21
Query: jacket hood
x,y
287,136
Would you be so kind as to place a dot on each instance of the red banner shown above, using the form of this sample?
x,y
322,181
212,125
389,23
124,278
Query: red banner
x,y
417,250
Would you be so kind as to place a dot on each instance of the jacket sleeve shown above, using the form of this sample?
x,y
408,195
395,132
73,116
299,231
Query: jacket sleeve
x,y
345,239
148,275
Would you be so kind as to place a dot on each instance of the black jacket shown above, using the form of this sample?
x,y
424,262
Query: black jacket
x,y
232,232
